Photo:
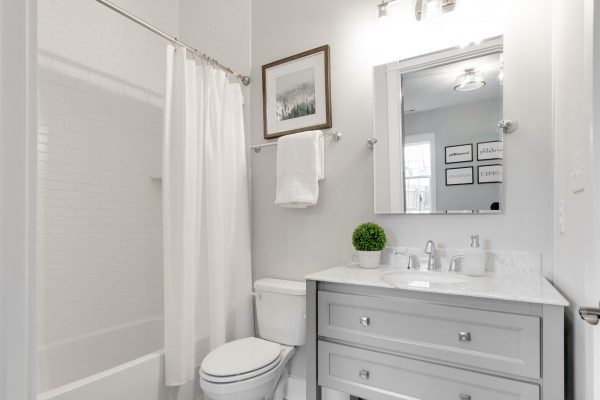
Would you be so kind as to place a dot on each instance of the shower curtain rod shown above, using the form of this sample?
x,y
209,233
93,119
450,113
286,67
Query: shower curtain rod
x,y
245,79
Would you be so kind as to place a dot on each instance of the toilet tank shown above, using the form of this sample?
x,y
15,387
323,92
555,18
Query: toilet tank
x,y
281,311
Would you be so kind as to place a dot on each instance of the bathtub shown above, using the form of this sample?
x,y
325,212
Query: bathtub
x,y
126,363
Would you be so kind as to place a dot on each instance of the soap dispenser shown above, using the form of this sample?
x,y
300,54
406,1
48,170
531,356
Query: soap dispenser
x,y
474,262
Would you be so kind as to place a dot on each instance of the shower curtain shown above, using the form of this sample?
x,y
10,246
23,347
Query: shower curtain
x,y
206,232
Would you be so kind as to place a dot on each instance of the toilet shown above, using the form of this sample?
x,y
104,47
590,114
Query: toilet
x,y
254,368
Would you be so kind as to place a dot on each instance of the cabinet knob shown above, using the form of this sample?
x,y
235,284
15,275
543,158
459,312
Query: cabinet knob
x,y
363,374
365,321
464,337
464,397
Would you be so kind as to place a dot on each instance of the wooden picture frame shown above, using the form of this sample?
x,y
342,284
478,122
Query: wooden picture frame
x,y
491,150
453,180
491,174
297,93
460,153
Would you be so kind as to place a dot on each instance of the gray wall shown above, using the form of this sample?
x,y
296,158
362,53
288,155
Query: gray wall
x,y
467,123
290,243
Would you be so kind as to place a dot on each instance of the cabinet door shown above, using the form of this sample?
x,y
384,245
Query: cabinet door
x,y
377,376
495,341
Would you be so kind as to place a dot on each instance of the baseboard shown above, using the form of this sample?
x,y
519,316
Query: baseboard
x,y
295,388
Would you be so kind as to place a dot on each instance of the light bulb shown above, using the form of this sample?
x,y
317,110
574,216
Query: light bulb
x,y
382,10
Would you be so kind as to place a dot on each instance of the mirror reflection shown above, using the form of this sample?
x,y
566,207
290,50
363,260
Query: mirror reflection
x,y
439,148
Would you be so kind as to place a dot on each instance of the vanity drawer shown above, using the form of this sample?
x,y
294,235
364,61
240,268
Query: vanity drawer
x,y
377,376
490,340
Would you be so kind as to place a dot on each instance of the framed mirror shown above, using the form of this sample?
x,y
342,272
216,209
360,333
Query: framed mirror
x,y
439,148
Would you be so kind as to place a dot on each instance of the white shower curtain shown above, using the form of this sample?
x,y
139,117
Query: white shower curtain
x,y
206,232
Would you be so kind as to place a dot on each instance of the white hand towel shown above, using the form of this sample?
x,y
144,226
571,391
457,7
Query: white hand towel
x,y
300,166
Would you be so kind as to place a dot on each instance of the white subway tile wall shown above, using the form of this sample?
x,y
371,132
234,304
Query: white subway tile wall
x,y
219,28
101,83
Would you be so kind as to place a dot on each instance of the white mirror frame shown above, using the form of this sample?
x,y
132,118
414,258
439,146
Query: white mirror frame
x,y
380,142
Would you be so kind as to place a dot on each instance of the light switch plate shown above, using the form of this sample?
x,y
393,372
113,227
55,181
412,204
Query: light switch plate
x,y
577,174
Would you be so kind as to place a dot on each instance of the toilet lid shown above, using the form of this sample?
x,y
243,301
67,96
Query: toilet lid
x,y
240,357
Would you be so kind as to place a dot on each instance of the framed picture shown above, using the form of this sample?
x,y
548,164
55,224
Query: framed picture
x,y
297,93
489,173
489,150
459,176
459,154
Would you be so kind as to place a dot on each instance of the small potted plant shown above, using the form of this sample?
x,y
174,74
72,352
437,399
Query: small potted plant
x,y
368,240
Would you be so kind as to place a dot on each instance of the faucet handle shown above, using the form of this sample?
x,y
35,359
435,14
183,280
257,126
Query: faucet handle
x,y
429,247
453,262
411,259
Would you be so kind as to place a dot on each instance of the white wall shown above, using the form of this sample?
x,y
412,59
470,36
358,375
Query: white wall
x,y
100,131
17,198
290,243
576,250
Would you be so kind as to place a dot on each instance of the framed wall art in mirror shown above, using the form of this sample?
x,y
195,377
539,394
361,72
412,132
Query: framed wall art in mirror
x,y
432,114
489,150
459,154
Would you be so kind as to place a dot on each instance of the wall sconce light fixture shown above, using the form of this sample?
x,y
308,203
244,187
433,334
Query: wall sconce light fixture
x,y
423,8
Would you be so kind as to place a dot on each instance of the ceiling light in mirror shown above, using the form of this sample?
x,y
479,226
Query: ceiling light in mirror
x,y
470,80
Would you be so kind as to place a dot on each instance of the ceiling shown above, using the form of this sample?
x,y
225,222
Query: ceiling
x,y
433,88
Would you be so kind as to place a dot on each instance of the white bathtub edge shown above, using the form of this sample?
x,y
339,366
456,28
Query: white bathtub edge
x,y
50,394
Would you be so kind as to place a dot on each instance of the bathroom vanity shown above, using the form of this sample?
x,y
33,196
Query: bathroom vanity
x,y
390,333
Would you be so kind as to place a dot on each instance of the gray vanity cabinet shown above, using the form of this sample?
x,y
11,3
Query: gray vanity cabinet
x,y
388,344
491,340
379,376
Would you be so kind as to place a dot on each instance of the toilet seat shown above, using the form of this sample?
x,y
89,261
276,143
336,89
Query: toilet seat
x,y
240,377
240,360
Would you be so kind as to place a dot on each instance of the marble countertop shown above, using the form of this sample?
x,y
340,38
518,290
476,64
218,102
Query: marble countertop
x,y
524,288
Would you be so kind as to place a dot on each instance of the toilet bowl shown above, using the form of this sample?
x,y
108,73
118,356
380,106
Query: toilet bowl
x,y
255,368
252,373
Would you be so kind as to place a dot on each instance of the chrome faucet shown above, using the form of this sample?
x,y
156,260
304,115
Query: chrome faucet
x,y
430,249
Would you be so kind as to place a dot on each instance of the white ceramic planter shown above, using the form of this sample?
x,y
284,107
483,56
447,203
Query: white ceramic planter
x,y
368,259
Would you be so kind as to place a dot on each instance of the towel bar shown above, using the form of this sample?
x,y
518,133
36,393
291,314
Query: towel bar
x,y
337,136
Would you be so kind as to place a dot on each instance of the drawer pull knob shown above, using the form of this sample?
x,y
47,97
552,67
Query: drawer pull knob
x,y
363,374
464,397
365,321
464,337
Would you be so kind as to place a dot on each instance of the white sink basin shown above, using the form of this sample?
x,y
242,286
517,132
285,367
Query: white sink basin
x,y
422,279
